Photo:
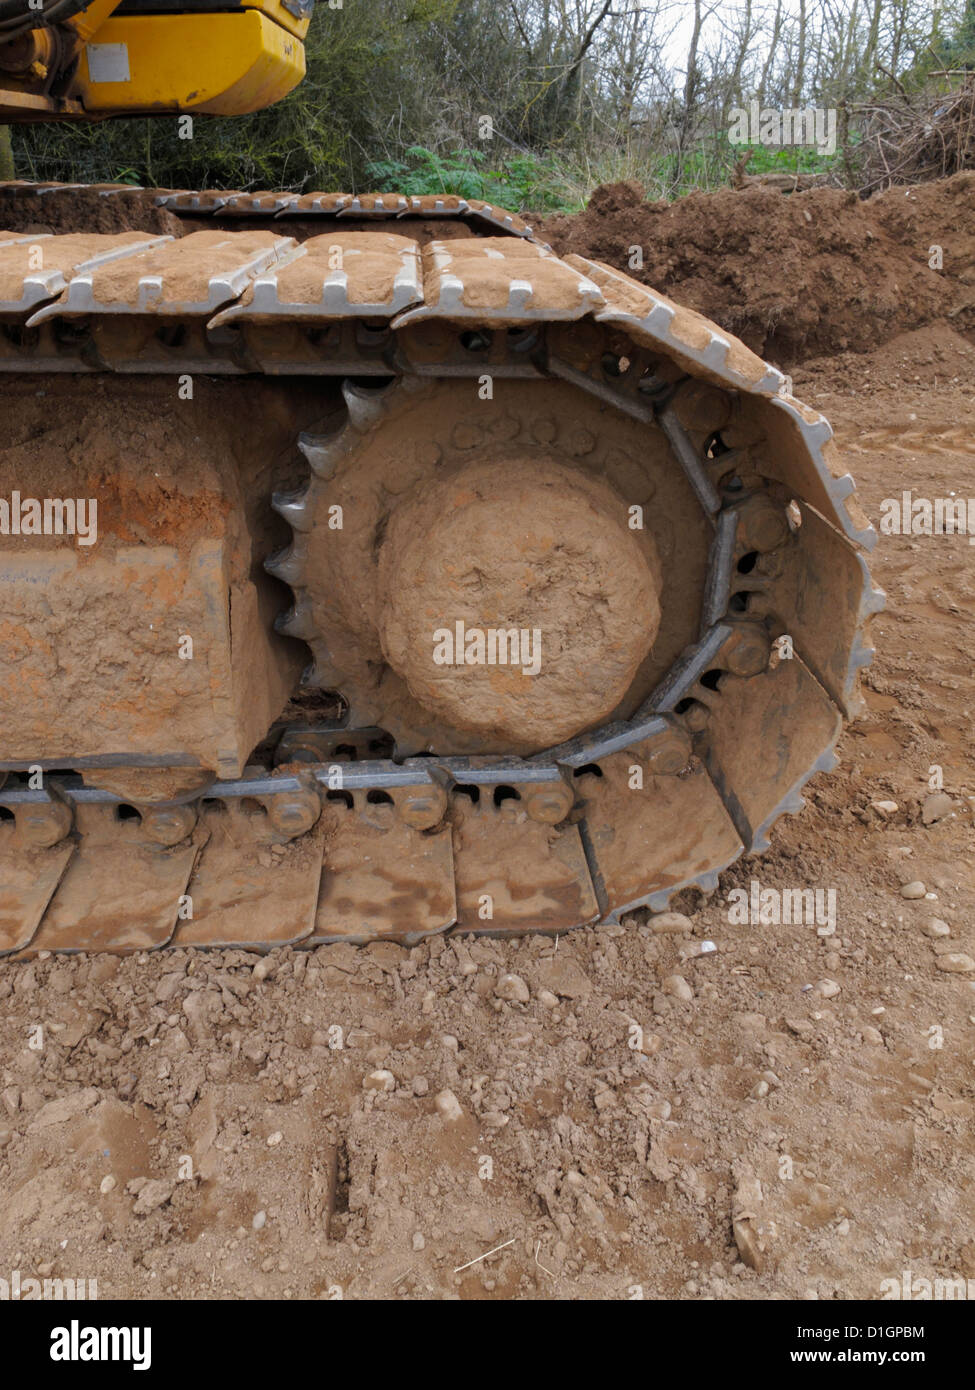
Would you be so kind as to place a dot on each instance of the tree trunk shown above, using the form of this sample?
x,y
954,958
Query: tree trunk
x,y
6,154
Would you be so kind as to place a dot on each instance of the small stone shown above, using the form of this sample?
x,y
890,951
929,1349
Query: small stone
x,y
564,977
956,963
55,1112
273,1140
873,1036
420,1085
693,950
107,1184
671,922
884,808
677,986
168,986
259,1221
935,927
380,1081
760,1090
749,1227
829,989
935,807
914,889
547,999
512,988
418,1242
153,1193
843,1229
659,1109
448,1106
261,970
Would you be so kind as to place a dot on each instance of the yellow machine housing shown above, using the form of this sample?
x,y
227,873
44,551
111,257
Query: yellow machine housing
x,y
154,57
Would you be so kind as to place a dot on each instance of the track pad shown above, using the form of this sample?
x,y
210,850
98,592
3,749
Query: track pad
x,y
516,875
249,891
118,894
384,880
28,880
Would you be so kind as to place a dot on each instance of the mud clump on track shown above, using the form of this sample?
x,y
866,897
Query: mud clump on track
x,y
798,275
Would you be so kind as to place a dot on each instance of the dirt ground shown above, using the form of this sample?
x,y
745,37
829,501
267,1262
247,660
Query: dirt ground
x,y
795,1123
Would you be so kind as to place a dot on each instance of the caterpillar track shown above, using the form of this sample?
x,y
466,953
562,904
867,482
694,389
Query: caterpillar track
x,y
439,583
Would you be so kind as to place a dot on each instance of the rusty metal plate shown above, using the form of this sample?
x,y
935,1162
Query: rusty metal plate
x,y
317,205
371,274
36,269
182,200
528,876
502,280
28,880
493,216
249,889
655,321
651,840
373,205
437,205
821,600
796,448
118,894
191,276
384,880
263,203
767,735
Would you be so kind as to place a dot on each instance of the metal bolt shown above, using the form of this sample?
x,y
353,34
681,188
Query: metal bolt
x,y
747,651
45,823
696,717
422,809
668,753
764,526
549,803
292,813
167,825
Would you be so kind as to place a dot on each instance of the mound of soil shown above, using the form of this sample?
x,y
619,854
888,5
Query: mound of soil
x,y
806,275
85,209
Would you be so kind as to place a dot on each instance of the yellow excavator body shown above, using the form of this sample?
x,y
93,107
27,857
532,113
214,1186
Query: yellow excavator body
x,y
148,57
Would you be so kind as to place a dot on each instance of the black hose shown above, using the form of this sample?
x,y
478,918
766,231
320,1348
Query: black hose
x,y
16,16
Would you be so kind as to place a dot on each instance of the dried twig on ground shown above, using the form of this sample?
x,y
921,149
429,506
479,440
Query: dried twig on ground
x,y
910,138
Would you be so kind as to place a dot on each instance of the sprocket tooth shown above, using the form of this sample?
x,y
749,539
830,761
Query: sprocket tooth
x,y
364,713
324,451
321,673
296,621
293,506
366,407
285,565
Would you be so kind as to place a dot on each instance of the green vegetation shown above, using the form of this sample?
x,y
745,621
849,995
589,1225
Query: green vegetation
x,y
401,93
520,182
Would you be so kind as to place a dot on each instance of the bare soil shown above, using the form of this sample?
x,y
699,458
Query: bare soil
x,y
816,272
370,1121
